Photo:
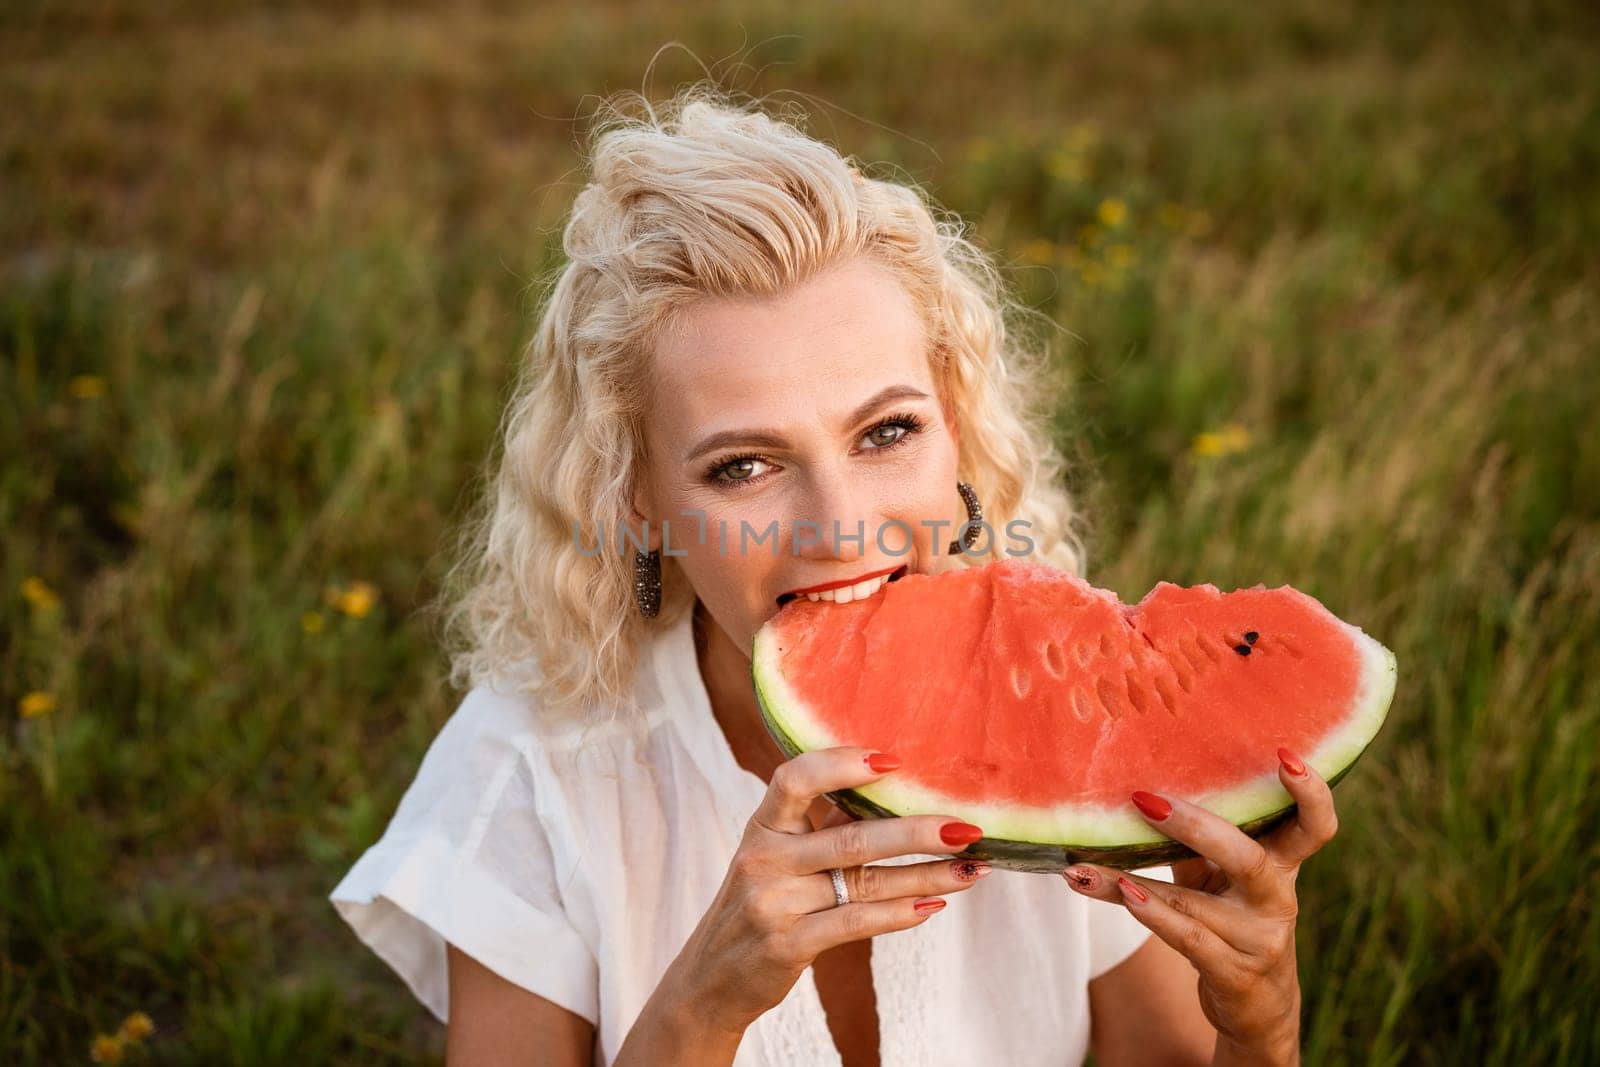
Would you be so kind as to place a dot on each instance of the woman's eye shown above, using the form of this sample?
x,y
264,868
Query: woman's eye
x,y
751,468
885,435
740,470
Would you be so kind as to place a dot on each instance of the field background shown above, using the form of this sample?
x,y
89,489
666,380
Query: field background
x,y
1329,309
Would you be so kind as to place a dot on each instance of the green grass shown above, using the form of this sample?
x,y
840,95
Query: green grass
x,y
293,248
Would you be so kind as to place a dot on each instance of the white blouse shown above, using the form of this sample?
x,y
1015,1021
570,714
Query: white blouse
x,y
574,873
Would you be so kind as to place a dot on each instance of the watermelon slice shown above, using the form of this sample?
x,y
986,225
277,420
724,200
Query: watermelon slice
x,y
1024,700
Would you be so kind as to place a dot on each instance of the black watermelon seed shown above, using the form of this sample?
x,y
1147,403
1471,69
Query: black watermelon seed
x,y
1250,638
1243,650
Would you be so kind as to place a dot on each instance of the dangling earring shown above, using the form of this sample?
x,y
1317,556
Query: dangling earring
x,y
647,582
969,535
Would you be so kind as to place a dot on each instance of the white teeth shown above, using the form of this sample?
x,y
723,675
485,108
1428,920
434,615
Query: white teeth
x,y
850,593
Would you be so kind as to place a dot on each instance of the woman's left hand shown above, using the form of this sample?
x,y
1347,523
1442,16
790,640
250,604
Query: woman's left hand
x,y
1231,909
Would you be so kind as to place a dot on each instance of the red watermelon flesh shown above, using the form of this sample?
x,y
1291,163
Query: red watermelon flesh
x,y
1031,703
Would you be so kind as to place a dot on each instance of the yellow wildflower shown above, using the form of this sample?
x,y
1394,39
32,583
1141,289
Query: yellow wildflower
x,y
1225,441
1081,136
1092,274
107,1048
1039,250
356,599
1066,166
137,1027
312,622
1120,255
37,704
41,596
1112,212
87,387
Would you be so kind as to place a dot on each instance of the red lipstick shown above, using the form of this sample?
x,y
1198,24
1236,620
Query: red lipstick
x,y
840,584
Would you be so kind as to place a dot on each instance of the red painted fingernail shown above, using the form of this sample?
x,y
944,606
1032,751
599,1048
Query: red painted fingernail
x,y
882,761
1133,890
1152,805
1291,763
959,833
928,905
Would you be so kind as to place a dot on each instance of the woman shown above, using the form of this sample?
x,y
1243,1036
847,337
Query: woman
x,y
780,378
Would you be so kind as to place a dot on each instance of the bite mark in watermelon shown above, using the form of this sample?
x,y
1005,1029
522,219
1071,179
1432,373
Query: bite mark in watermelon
x,y
1025,700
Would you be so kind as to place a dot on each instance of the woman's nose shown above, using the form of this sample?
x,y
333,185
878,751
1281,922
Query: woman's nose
x,y
845,539
835,527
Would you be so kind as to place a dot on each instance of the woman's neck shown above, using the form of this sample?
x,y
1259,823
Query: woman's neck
x,y
725,670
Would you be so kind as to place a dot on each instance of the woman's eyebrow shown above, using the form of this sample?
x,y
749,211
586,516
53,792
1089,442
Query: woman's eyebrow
x,y
773,439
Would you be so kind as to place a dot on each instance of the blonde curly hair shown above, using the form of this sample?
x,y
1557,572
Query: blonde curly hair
x,y
703,197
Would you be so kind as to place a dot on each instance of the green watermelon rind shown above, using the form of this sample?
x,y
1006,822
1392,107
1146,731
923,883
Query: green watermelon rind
x,y
1028,839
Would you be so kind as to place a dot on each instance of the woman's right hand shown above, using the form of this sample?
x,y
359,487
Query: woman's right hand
x,y
775,912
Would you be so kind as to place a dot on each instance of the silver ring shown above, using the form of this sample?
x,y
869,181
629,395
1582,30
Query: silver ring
x,y
840,894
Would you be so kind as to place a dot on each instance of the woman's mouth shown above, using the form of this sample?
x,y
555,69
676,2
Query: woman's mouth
x,y
846,594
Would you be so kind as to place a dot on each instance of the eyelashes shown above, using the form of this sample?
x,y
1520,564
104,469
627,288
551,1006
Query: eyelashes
x,y
910,422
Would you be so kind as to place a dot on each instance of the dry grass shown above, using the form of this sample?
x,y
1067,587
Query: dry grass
x,y
263,275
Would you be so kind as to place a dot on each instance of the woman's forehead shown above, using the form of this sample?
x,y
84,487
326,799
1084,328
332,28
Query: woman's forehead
x,y
824,346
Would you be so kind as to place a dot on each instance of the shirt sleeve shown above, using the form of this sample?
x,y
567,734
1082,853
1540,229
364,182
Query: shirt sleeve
x,y
1114,933
467,860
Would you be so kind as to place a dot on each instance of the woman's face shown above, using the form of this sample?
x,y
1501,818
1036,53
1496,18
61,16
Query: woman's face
x,y
775,420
